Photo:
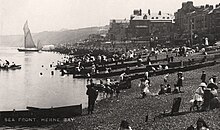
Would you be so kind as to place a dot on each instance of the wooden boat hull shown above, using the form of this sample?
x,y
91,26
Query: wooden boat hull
x,y
28,49
11,67
116,73
175,69
39,116
111,65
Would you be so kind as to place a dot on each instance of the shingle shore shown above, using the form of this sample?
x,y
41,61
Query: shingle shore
x,y
128,106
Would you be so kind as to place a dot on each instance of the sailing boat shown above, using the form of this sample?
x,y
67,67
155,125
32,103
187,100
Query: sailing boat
x,y
28,40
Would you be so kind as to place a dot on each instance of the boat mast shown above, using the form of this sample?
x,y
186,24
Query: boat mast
x,y
25,33
24,40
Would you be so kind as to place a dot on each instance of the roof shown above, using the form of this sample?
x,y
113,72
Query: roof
x,y
154,17
214,9
119,20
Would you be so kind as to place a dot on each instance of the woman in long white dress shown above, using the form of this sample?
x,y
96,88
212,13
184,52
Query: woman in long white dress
x,y
198,95
144,85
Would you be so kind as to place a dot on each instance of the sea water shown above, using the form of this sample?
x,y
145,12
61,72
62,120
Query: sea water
x,y
26,87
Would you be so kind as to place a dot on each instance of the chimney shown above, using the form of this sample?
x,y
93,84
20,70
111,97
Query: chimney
x,y
159,13
189,3
183,4
149,11
207,6
140,12
136,12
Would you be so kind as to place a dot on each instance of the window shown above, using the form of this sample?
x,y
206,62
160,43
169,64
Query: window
x,y
152,18
163,17
193,26
156,17
193,20
168,17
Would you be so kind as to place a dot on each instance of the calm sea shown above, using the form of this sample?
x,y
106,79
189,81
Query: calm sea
x,y
25,87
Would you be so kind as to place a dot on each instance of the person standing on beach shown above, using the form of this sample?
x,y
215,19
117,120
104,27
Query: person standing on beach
x,y
144,85
146,75
92,96
180,79
165,78
203,77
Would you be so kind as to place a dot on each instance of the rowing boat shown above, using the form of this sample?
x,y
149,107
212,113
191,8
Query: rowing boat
x,y
146,68
175,69
12,67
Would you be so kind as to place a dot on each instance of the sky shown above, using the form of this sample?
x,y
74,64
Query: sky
x,y
55,15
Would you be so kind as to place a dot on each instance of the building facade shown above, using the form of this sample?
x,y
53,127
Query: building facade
x,y
151,26
117,29
195,23
214,24
190,25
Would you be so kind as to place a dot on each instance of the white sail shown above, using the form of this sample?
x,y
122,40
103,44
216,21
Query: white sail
x,y
28,41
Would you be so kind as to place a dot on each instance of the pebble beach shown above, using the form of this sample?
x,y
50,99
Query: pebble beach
x,y
129,106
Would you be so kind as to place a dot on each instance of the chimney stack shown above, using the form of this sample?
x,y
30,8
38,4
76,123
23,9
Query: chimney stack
x,y
183,4
149,11
207,5
189,3
140,12
159,13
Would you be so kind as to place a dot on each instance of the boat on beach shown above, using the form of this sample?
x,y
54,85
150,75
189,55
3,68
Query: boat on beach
x,y
70,69
10,67
35,116
113,64
172,67
28,40
175,69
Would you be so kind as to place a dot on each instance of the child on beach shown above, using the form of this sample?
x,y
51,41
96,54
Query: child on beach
x,y
144,85
165,78
180,79
162,90
168,88
176,89
203,76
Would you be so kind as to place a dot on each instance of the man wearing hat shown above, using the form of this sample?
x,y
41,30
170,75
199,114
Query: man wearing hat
x,y
180,80
203,77
92,96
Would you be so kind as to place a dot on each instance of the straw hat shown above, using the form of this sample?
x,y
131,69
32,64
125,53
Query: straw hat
x,y
202,85
180,73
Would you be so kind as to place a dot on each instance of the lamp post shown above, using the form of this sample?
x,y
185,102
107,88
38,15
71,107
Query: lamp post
x,y
191,32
